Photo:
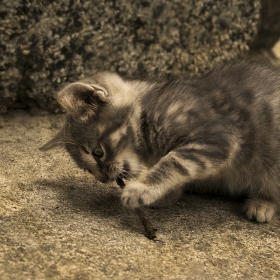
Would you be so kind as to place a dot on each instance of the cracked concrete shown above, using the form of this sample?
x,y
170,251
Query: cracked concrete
x,y
57,222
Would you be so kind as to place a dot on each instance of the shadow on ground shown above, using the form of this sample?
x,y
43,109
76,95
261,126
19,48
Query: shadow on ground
x,y
56,222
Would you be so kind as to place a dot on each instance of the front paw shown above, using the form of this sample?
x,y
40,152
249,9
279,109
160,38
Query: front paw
x,y
259,210
136,194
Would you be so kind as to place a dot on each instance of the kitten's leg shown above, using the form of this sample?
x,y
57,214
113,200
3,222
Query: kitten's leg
x,y
171,173
259,210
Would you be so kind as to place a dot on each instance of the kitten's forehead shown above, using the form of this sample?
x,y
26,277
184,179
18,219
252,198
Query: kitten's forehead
x,y
82,130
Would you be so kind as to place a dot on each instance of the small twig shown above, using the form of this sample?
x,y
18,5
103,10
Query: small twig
x,y
150,231
120,182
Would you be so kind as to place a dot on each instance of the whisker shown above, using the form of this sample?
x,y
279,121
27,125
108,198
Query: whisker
x,y
126,175
124,172
71,142
138,168
136,165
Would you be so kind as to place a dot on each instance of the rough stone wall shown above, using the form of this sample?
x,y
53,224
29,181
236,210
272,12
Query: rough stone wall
x,y
45,44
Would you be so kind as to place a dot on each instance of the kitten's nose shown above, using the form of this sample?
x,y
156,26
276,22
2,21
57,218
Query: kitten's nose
x,y
103,178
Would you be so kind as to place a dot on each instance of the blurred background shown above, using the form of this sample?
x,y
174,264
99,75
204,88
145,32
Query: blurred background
x,y
45,44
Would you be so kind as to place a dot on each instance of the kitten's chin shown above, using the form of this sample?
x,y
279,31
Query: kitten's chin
x,y
101,177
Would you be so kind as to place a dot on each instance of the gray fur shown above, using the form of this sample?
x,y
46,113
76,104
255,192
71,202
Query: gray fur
x,y
219,132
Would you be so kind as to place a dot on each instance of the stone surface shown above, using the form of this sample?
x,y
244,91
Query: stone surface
x,y
56,222
45,44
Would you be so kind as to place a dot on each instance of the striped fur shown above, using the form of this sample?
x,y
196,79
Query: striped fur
x,y
219,132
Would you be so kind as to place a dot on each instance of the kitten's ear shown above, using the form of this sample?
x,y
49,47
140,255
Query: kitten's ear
x,y
57,141
82,100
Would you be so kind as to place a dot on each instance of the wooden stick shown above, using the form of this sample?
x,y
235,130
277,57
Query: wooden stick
x,y
150,231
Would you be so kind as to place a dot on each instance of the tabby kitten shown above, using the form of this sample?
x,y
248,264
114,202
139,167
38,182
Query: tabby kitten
x,y
219,132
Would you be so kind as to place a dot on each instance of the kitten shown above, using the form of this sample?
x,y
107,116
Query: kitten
x,y
220,132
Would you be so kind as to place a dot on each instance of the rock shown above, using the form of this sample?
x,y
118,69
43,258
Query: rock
x,y
46,44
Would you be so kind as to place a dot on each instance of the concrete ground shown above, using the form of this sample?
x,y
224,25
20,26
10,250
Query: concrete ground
x,y
58,223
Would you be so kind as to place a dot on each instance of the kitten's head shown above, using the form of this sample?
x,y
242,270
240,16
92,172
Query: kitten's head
x,y
96,133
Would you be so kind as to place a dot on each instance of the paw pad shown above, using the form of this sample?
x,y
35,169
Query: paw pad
x,y
259,210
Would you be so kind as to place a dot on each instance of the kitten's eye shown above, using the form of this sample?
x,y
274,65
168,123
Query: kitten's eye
x,y
98,152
